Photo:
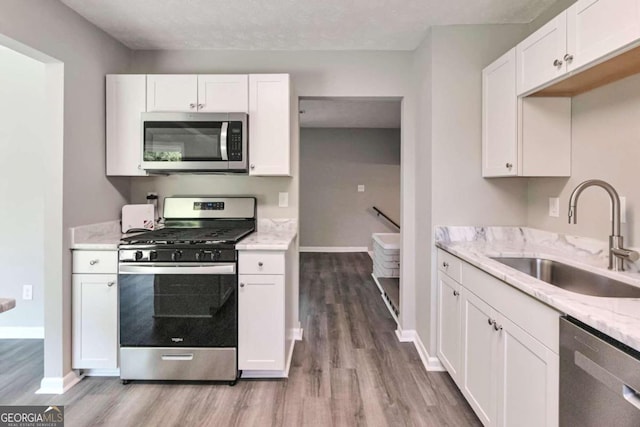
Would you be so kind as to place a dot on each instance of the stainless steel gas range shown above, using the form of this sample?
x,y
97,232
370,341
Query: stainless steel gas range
x,y
178,304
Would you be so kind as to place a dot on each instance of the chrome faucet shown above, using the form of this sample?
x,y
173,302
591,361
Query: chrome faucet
x,y
617,253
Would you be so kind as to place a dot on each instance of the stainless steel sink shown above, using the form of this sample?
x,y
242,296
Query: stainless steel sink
x,y
571,278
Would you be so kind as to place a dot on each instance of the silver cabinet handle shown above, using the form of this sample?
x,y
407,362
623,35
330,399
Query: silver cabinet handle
x,y
509,165
445,264
456,293
568,57
200,106
496,326
260,264
253,166
557,63
192,106
242,285
110,284
94,261
491,321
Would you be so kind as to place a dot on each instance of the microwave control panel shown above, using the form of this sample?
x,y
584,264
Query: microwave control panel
x,y
234,141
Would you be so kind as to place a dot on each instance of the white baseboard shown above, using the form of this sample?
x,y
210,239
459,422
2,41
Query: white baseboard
x,y
430,363
58,385
18,332
274,374
370,254
297,334
334,249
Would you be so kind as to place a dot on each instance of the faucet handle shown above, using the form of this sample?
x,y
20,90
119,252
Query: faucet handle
x,y
627,254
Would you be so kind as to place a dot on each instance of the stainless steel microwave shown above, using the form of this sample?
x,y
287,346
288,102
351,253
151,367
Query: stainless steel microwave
x,y
194,142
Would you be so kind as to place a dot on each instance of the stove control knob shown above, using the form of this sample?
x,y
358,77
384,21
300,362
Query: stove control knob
x,y
201,256
216,255
176,256
153,255
138,255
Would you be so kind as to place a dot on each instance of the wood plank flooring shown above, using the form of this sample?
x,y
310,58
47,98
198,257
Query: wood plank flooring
x,y
350,370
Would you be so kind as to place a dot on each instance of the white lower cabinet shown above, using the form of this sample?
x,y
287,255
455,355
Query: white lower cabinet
x,y
506,373
449,333
261,322
262,337
95,321
94,299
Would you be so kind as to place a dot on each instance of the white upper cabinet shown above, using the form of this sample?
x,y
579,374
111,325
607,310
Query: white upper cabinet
x,y
540,57
596,28
223,93
211,93
499,117
126,100
522,137
172,92
270,124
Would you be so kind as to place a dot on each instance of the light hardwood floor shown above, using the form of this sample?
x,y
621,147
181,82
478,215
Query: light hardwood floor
x,y
349,370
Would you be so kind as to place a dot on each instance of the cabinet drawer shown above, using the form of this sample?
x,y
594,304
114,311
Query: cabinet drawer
x,y
95,262
449,265
261,263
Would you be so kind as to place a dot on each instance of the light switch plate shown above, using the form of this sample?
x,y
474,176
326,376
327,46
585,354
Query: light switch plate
x,y
360,188
283,200
27,292
554,207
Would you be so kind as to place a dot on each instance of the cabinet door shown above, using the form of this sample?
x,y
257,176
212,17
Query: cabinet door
x,y
479,359
172,92
261,328
223,93
95,321
499,117
126,100
596,28
449,325
528,379
270,120
540,56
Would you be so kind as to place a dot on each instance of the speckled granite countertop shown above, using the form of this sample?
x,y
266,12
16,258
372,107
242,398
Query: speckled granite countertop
x,y
272,235
7,304
616,317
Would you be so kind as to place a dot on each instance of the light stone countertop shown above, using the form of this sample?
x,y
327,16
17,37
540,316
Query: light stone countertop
x,y
617,317
7,304
104,236
272,235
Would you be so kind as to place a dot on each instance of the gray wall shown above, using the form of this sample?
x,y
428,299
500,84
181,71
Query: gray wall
x,y
85,194
22,89
605,129
333,162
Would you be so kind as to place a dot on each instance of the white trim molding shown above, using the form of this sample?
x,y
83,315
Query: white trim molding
x,y
58,385
430,363
20,333
297,334
332,249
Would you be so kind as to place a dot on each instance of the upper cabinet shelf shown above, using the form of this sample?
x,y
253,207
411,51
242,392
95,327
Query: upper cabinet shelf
x,y
581,49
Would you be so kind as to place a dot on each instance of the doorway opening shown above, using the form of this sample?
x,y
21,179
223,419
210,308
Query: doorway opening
x,y
350,171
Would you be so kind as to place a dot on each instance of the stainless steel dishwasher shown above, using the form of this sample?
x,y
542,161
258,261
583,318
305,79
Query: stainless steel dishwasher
x,y
599,378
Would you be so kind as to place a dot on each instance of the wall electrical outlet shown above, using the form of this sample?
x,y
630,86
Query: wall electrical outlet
x,y
360,188
27,292
554,207
283,200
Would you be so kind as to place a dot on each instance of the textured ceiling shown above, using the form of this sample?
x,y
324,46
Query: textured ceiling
x,y
349,113
292,24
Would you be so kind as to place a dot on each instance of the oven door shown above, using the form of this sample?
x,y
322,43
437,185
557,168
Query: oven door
x,y
178,305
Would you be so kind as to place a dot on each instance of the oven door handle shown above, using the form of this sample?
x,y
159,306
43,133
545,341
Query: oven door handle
x,y
137,268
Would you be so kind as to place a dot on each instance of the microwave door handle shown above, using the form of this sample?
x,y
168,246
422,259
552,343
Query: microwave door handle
x,y
223,141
